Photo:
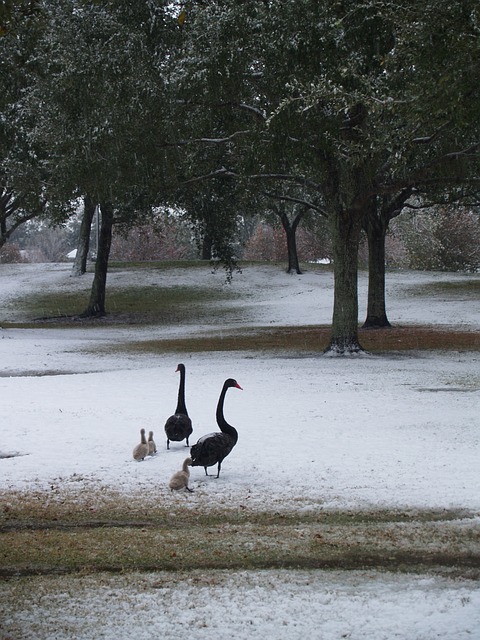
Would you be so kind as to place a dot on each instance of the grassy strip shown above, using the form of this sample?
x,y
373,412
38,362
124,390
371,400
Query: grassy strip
x,y
63,538
105,507
242,546
303,339
298,339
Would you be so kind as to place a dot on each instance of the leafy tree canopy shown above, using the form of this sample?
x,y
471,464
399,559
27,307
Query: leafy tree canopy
x,y
99,101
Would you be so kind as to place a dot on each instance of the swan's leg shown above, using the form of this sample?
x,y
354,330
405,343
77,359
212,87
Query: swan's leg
x,y
219,467
206,472
168,443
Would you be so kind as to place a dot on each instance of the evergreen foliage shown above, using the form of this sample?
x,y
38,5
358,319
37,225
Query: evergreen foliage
x,y
222,107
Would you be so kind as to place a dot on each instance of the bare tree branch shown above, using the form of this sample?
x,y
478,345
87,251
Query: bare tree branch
x,y
433,136
218,173
471,151
258,113
180,143
6,233
226,173
253,110
304,203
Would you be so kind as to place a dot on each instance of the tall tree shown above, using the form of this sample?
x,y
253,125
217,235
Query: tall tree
x,y
102,92
290,228
290,210
366,101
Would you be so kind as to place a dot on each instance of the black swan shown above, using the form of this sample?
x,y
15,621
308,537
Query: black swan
x,y
214,447
141,450
152,447
180,479
179,426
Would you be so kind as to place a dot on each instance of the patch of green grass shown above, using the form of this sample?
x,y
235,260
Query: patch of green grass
x,y
167,304
465,287
52,305
141,305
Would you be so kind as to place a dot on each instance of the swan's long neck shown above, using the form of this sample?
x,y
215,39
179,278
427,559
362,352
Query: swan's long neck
x,y
222,423
181,408
143,438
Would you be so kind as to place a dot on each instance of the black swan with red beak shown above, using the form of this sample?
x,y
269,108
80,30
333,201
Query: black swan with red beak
x,y
213,448
179,426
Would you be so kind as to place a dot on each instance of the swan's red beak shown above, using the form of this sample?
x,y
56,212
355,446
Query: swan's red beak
x,y
238,386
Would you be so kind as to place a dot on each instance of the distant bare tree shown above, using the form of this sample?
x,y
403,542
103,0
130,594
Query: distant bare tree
x,y
167,239
10,253
47,244
266,243
445,239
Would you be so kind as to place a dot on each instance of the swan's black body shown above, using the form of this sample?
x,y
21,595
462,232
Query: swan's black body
x,y
212,448
179,426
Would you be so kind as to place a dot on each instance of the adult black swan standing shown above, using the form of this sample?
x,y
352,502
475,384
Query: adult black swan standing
x,y
179,426
212,448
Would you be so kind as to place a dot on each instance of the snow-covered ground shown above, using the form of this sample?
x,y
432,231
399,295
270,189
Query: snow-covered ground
x,y
281,605
389,431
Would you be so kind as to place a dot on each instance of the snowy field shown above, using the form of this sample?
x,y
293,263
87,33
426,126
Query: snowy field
x,y
389,431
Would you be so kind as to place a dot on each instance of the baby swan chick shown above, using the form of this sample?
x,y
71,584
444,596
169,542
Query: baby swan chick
x,y
180,479
152,447
141,450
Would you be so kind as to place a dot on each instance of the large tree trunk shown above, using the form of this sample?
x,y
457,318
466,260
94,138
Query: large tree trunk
x,y
346,190
376,229
376,225
346,227
96,306
83,245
